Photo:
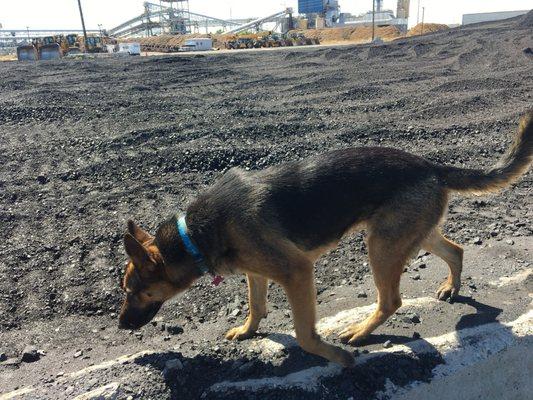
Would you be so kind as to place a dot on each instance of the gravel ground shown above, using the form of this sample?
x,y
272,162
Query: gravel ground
x,y
86,145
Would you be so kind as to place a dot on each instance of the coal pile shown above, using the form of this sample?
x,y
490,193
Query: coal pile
x,y
87,144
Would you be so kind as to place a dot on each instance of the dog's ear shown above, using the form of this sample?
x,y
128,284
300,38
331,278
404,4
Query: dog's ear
x,y
138,253
138,233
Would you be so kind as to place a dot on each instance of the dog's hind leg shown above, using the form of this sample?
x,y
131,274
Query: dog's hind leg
x,y
301,292
452,254
395,232
257,299
387,260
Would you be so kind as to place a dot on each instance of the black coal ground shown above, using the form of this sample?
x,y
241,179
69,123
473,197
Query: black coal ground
x,y
88,144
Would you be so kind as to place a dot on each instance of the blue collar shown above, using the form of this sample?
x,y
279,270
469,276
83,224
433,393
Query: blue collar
x,y
191,248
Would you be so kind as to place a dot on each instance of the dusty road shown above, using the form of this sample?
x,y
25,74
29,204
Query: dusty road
x,y
85,145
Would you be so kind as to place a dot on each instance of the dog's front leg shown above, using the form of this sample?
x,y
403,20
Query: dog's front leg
x,y
300,289
257,298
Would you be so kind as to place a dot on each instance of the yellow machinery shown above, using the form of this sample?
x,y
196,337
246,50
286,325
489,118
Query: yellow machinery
x,y
69,43
94,44
48,48
45,48
242,41
54,47
27,52
268,39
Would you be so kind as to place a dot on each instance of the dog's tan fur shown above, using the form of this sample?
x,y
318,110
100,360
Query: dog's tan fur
x,y
255,244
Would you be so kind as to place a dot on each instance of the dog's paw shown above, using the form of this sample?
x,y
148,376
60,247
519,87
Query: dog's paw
x,y
344,358
447,291
353,334
239,333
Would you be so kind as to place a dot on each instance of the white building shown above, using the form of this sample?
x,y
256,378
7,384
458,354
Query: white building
x,y
133,49
197,44
491,16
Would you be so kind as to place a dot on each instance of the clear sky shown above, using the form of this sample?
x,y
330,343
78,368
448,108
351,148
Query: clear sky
x,y
63,14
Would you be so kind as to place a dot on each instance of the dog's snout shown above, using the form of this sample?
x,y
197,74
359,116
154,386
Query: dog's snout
x,y
122,324
135,318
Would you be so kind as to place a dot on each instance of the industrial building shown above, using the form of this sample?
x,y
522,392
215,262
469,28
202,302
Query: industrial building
x,y
171,17
382,17
174,17
320,13
11,38
327,13
491,16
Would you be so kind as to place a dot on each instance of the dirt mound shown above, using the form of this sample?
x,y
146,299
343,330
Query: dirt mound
x,y
355,34
364,33
421,29
527,20
8,57
166,43
171,43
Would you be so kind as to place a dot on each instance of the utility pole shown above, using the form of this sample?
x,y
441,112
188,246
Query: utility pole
x,y
291,22
101,36
423,9
373,19
83,24
28,32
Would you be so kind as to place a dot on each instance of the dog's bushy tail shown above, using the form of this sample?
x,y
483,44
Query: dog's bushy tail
x,y
510,167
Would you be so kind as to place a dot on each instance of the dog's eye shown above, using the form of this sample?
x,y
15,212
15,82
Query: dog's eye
x,y
148,294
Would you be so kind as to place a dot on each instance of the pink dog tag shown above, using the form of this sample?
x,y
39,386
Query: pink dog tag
x,y
217,279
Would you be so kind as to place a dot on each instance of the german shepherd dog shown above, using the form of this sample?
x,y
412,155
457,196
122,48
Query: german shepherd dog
x,y
275,223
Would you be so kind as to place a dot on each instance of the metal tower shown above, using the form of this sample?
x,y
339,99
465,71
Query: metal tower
x,y
179,20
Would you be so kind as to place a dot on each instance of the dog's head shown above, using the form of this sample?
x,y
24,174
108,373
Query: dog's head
x,y
148,282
